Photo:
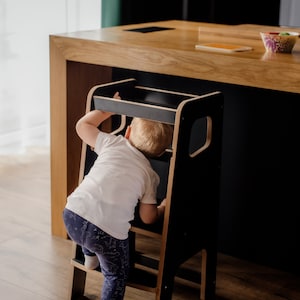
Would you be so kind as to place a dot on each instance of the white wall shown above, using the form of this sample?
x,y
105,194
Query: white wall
x,y
24,64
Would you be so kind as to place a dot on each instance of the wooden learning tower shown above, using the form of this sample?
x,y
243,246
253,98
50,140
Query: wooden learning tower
x,y
190,180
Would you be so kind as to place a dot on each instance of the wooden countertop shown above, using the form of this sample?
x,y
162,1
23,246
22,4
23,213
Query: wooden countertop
x,y
173,52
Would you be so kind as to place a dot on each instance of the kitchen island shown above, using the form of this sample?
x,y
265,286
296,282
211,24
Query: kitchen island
x,y
258,216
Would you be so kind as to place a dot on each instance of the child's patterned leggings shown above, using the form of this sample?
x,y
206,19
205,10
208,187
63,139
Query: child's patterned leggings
x,y
113,254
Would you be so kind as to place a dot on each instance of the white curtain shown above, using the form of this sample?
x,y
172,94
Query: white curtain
x,y
289,13
25,26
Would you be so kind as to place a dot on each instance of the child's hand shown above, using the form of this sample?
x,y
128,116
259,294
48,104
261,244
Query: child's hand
x,y
163,203
161,209
117,95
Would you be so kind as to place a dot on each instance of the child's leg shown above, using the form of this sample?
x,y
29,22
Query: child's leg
x,y
113,255
115,268
77,228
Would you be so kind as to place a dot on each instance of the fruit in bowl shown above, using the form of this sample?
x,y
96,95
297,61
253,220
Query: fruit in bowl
x,y
279,41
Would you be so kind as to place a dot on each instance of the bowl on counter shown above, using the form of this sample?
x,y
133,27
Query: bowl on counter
x,y
279,41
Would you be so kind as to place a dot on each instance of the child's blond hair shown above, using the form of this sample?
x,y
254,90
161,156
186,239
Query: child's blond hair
x,y
152,138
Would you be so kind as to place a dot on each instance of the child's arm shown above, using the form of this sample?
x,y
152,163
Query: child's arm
x,y
87,126
151,213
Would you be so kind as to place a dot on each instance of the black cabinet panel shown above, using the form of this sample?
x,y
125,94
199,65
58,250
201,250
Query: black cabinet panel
x,y
259,217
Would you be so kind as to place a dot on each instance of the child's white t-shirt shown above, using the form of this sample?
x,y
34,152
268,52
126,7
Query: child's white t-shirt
x,y
107,196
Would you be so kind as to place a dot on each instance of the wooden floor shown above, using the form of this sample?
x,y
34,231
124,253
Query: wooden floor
x,y
34,265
